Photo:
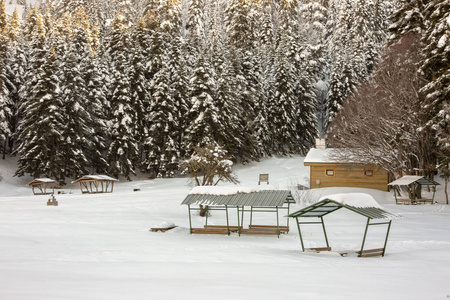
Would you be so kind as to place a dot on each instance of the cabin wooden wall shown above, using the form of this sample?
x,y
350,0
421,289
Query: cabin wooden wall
x,y
347,175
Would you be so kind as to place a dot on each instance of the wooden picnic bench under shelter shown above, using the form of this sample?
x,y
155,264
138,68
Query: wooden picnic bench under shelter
x,y
409,189
240,200
40,186
360,203
93,184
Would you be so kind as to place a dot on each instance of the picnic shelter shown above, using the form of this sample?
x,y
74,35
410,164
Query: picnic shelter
x,y
412,189
359,203
43,186
93,184
239,200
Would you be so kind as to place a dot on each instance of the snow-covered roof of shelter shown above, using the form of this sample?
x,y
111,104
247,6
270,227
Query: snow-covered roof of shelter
x,y
237,196
42,180
408,179
360,203
95,177
220,190
354,199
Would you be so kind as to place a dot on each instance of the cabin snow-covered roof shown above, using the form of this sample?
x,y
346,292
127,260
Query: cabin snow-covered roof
x,y
237,196
320,156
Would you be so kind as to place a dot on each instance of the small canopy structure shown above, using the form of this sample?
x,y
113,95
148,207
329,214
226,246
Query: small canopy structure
x,y
92,184
40,185
360,203
226,198
412,188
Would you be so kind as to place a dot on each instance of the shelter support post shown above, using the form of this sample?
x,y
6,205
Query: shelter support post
x,y
228,222
190,220
387,235
278,224
300,234
364,238
324,232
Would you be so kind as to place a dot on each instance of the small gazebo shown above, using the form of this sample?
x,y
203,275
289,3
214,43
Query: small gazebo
x,y
242,199
360,203
93,184
409,189
43,186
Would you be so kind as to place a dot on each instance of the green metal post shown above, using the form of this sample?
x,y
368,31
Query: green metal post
x,y
364,238
228,223
278,224
395,194
300,234
251,215
387,235
324,232
206,221
190,221
238,222
434,193
289,206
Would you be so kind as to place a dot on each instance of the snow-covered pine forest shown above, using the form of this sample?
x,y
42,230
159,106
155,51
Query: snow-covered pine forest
x,y
117,86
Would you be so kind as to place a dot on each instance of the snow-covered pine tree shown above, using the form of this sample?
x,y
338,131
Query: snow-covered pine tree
x,y
80,126
15,73
282,107
42,124
407,19
436,68
3,17
203,115
123,153
5,101
139,90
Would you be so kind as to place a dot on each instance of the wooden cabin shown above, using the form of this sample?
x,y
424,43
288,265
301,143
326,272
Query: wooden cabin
x,y
43,186
93,184
328,172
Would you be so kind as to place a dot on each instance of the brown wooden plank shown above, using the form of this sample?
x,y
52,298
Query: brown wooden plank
x,y
319,249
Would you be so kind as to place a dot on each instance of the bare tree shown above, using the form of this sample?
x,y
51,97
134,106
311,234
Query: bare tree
x,y
209,166
382,122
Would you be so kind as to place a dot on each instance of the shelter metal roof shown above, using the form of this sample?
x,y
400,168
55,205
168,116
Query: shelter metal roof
x,y
408,179
95,177
328,206
263,198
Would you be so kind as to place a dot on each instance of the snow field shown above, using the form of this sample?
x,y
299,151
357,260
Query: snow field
x,y
100,247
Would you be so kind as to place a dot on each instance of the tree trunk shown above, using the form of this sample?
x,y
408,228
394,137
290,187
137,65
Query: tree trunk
x,y
203,210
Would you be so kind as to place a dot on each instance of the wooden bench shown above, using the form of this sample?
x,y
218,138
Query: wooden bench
x,y
371,252
404,201
319,249
265,229
232,228
209,231
162,229
282,229
424,201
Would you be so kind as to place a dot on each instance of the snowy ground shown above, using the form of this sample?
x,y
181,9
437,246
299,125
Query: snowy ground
x,y
100,246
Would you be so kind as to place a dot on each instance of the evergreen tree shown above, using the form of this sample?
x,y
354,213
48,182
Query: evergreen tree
x,y
80,125
203,115
5,102
123,153
42,124
436,68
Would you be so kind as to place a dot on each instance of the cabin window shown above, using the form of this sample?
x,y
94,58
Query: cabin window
x,y
329,172
368,173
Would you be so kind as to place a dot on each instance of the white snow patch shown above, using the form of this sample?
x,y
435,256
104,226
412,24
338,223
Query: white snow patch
x,y
354,199
221,190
